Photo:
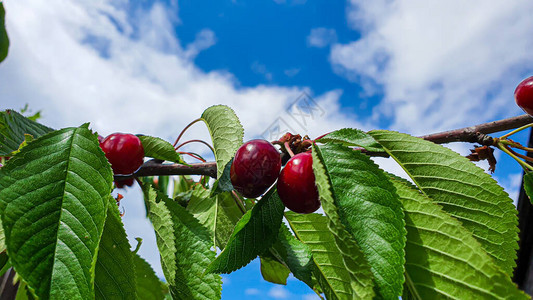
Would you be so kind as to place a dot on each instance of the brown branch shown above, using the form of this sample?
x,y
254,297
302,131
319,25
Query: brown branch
x,y
472,134
478,133
154,167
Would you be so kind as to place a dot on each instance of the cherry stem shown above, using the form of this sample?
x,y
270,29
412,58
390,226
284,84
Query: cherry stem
x,y
192,155
196,141
510,153
515,131
515,145
288,148
185,129
518,154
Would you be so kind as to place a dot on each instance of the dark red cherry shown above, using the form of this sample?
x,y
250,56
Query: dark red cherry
x,y
523,95
255,168
296,185
124,151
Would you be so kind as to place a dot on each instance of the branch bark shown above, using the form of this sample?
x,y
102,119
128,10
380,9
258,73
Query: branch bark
x,y
478,133
473,134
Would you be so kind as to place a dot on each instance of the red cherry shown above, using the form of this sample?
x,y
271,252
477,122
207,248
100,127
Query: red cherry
x,y
255,168
523,95
124,151
296,185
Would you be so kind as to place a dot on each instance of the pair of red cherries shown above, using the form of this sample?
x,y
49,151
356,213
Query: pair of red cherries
x,y
256,167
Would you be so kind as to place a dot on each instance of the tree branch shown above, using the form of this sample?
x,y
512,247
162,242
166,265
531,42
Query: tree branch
x,y
155,167
478,133
473,134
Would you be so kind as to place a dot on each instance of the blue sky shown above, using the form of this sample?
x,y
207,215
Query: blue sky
x,y
153,66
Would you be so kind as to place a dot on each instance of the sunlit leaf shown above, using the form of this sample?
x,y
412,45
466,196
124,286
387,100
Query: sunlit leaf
x,y
462,189
159,149
226,132
184,246
443,260
365,202
147,284
54,198
334,277
114,274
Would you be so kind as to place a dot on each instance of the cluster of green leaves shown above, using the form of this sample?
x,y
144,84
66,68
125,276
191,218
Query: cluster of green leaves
x,y
450,232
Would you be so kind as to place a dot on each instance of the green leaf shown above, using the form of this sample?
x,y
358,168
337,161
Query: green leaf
x,y
528,185
361,278
273,271
295,254
114,274
226,132
13,126
23,293
255,232
159,149
218,214
54,198
443,260
184,246
368,206
464,190
223,184
352,137
4,40
334,277
147,283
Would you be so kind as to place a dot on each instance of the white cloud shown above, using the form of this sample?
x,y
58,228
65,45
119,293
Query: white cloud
x,y
278,292
261,69
321,37
310,297
292,72
204,39
252,292
441,64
